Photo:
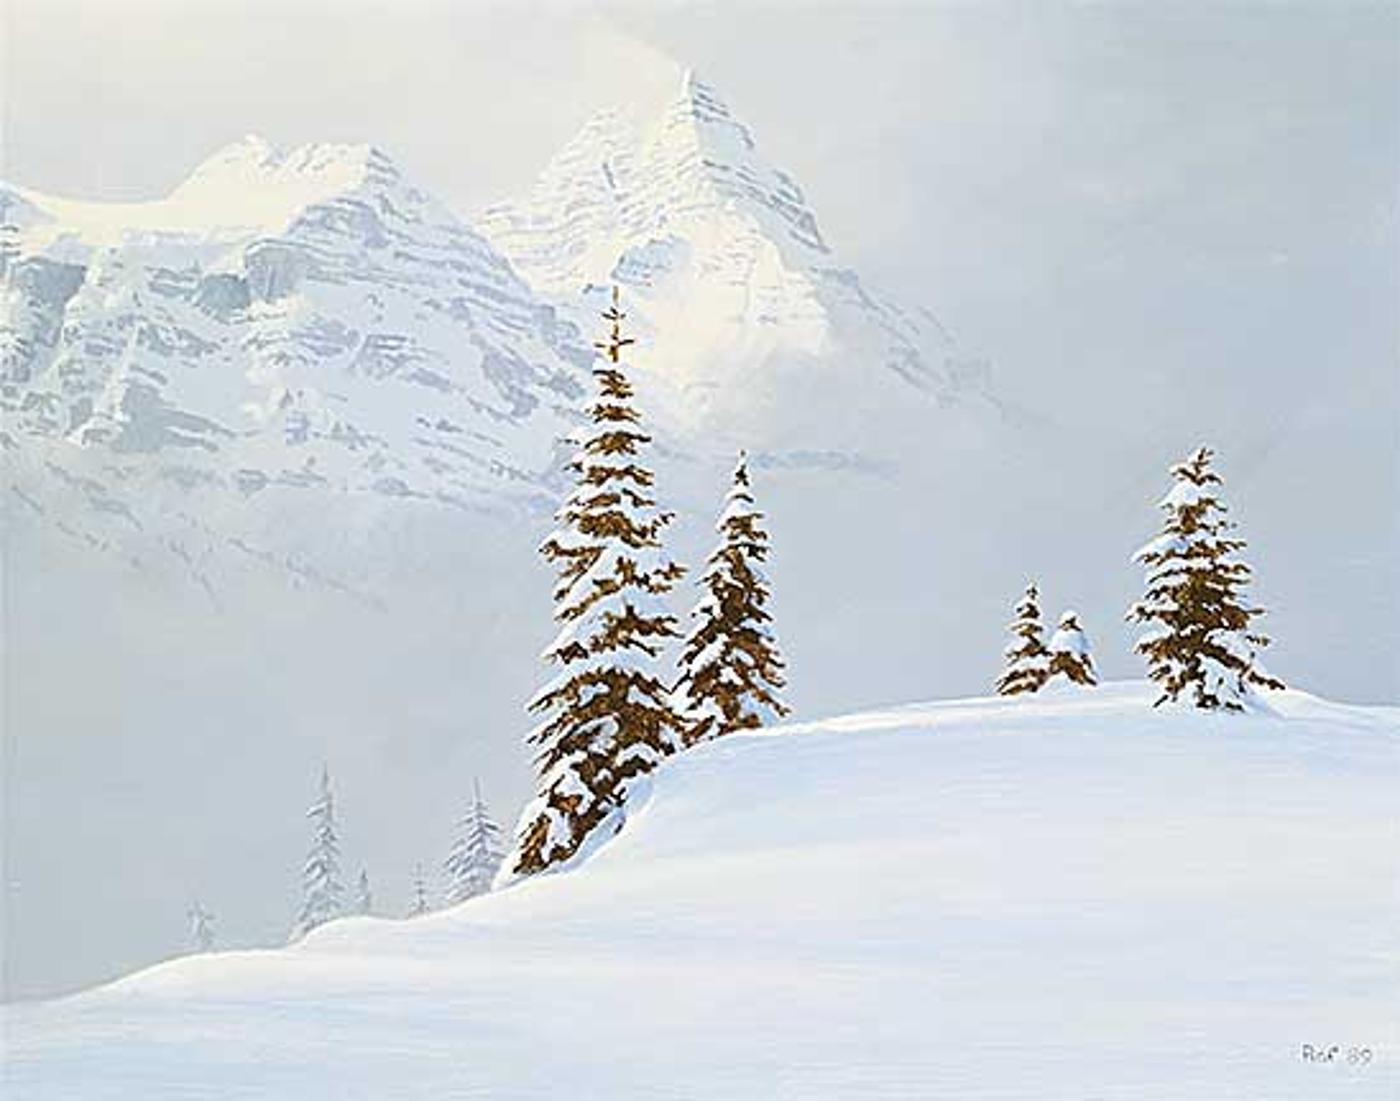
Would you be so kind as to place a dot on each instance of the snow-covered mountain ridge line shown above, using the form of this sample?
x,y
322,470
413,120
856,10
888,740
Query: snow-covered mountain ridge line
x,y
288,330
276,300
981,898
288,342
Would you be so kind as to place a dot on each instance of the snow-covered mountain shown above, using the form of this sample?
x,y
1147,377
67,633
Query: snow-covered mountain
x,y
1070,896
307,315
290,331
304,325
751,319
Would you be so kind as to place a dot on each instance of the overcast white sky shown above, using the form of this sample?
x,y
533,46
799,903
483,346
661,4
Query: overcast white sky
x,y
1072,172
1162,223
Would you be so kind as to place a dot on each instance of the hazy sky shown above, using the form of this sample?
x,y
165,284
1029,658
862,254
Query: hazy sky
x,y
1074,173
1161,223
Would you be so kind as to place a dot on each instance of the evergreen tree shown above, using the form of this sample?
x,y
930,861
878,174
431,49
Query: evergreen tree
x,y
608,715
321,885
364,898
419,906
476,855
201,927
1198,641
1027,659
1070,654
731,670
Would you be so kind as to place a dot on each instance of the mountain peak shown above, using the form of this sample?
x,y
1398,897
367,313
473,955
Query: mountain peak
x,y
701,104
307,171
633,179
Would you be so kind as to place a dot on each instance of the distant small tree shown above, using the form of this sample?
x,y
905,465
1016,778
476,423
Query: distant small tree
x,y
731,671
608,714
201,927
321,886
1199,642
364,898
419,905
1070,654
476,854
1027,659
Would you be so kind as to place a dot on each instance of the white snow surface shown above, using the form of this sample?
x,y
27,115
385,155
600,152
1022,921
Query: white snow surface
x,y
1069,896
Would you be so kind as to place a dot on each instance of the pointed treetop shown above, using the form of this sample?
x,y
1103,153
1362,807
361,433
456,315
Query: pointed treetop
x,y
612,347
1196,468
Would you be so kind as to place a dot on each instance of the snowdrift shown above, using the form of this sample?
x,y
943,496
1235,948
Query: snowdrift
x,y
1071,897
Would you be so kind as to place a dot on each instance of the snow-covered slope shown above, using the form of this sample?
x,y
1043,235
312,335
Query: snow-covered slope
x,y
1068,897
753,322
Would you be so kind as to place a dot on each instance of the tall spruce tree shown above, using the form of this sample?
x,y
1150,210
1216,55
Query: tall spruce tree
x,y
1070,653
321,886
1027,659
476,854
732,673
608,714
1199,642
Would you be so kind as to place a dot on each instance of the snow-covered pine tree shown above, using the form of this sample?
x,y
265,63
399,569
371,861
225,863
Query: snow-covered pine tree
x,y
364,897
201,927
1070,654
419,906
731,671
1198,640
321,887
476,855
1027,659
608,713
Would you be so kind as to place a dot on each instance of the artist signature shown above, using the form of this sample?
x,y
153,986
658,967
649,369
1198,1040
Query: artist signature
x,y
1336,1054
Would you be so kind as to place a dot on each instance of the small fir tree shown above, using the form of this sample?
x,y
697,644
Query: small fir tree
x,y
364,898
476,855
1027,659
1070,654
201,927
732,673
608,715
1198,642
419,906
321,886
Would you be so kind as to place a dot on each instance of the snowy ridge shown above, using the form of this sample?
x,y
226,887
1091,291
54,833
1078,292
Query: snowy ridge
x,y
246,186
1072,895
